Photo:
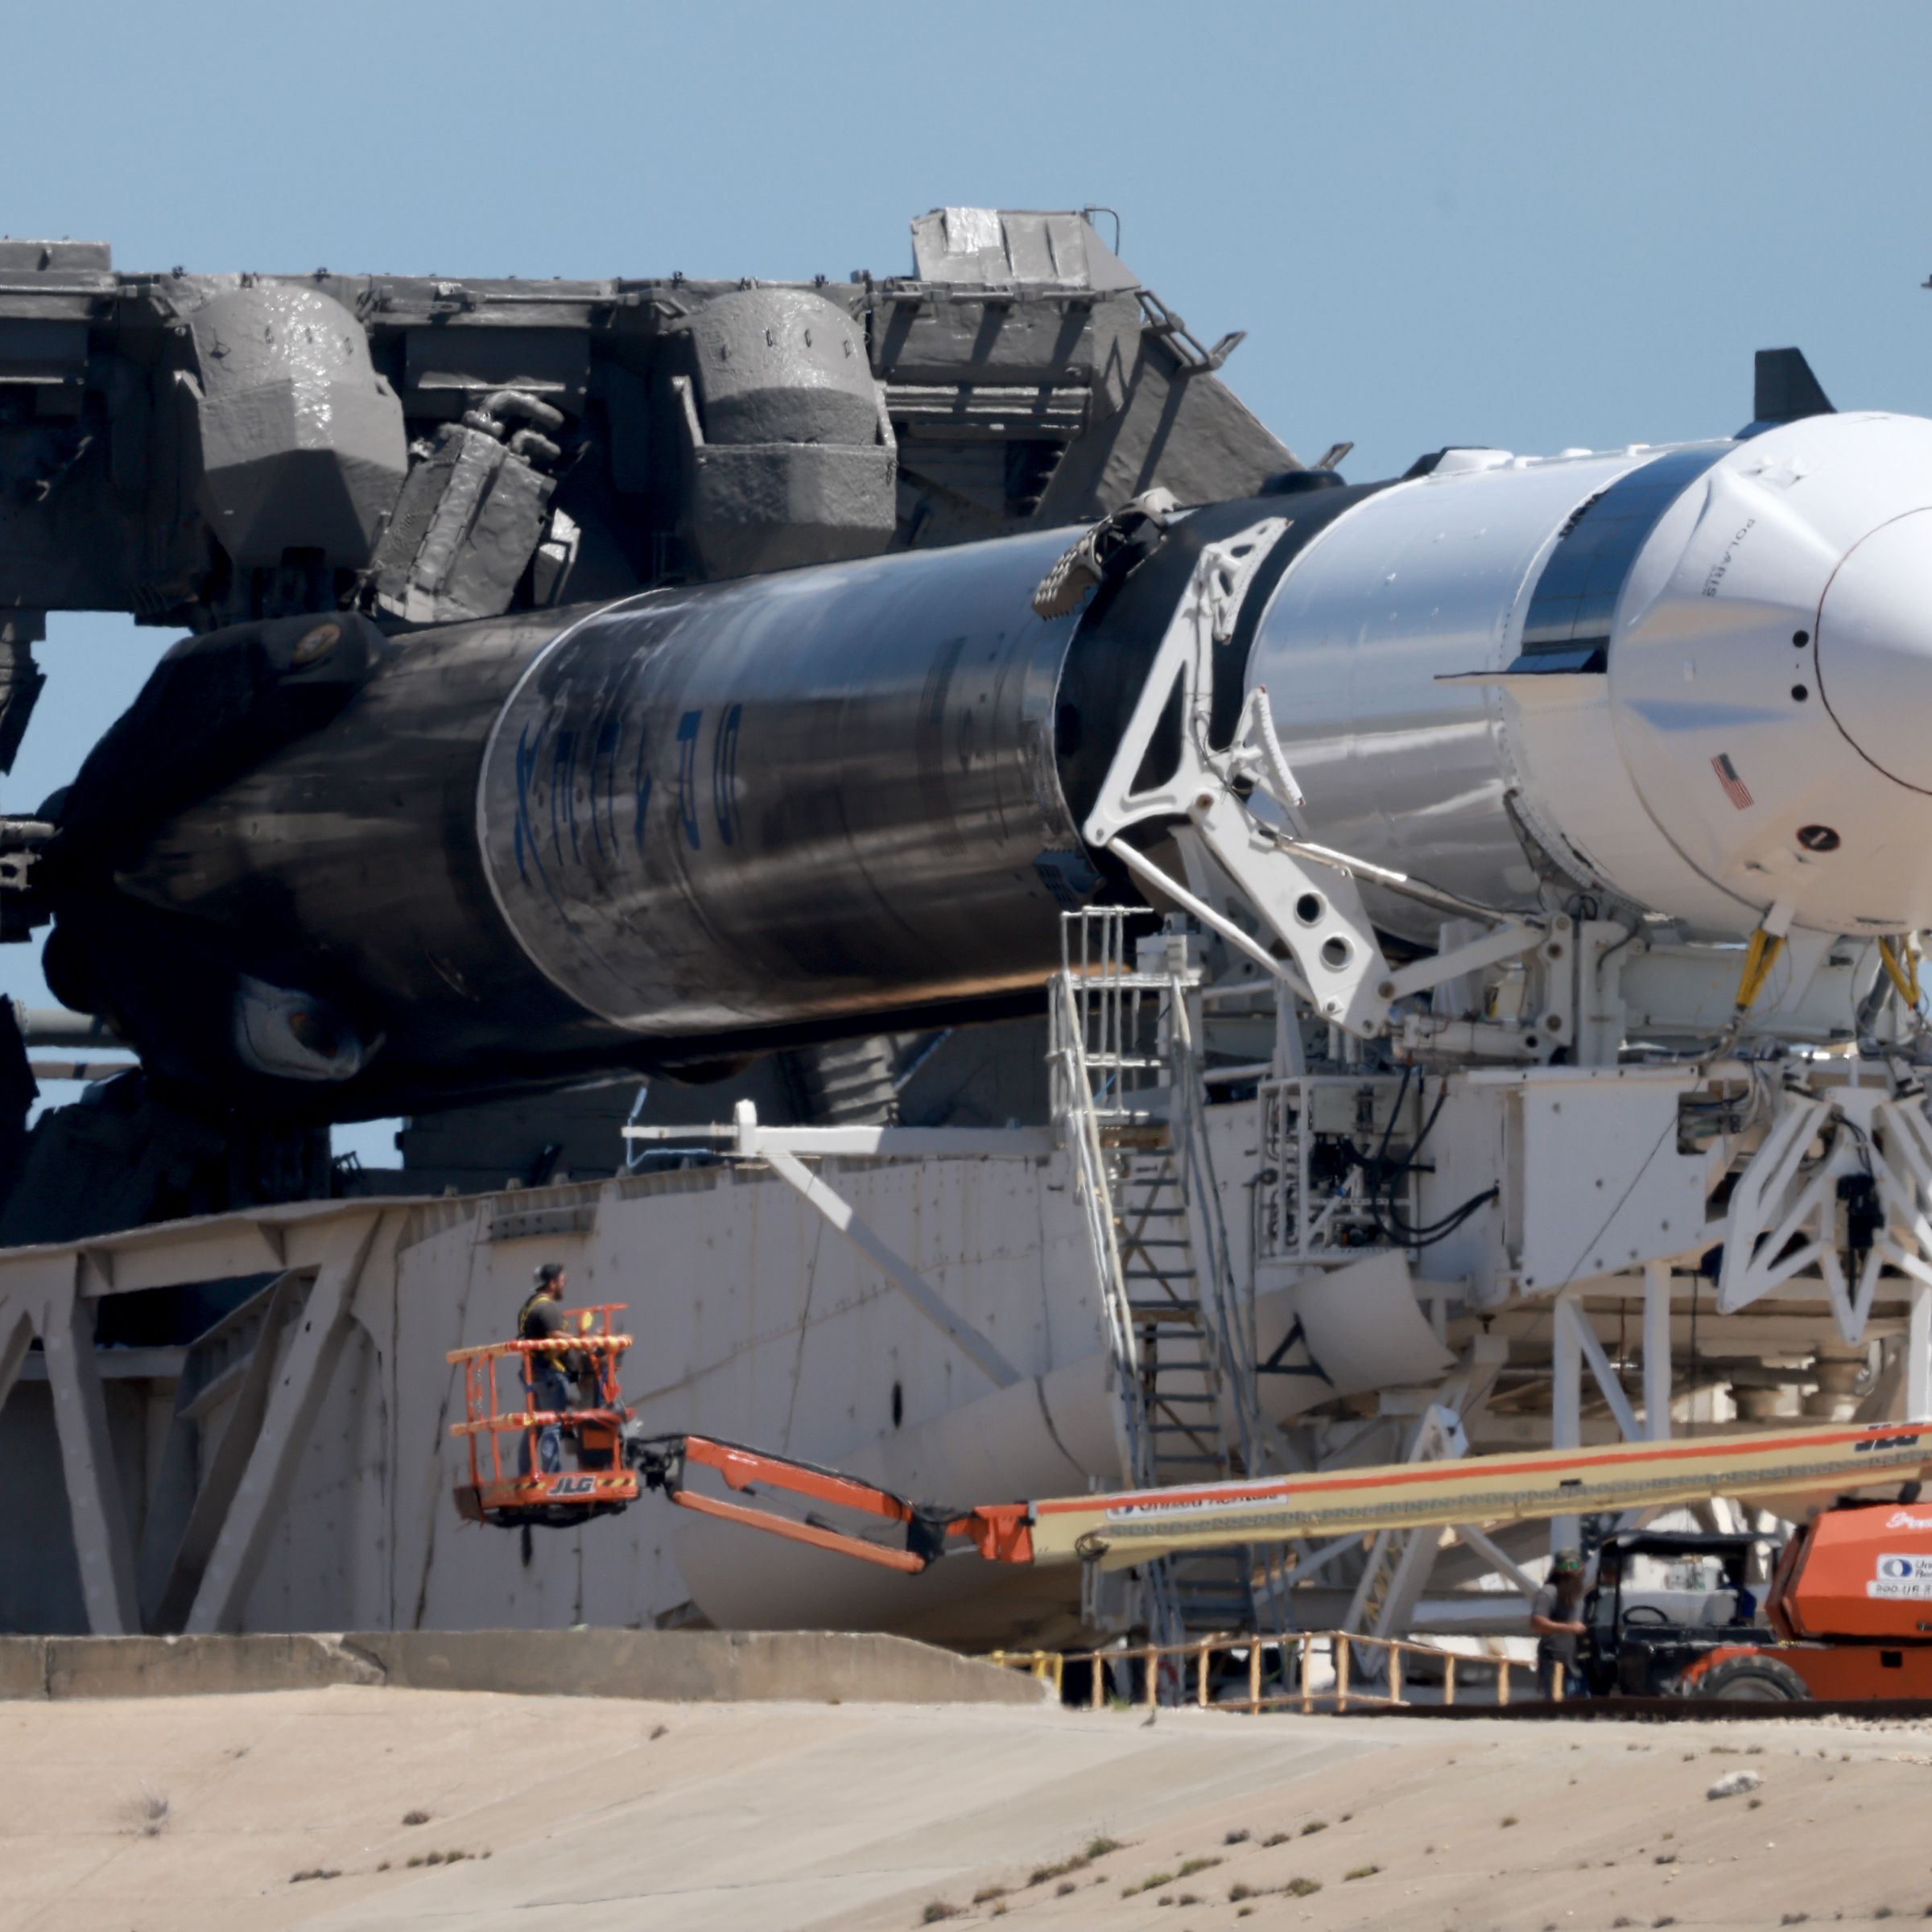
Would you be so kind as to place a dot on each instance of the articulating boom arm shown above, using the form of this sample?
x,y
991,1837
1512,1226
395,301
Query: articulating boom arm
x,y
1137,1526
664,1463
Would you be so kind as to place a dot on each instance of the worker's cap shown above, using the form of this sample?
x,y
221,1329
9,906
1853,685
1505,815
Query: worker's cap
x,y
550,1271
1565,1563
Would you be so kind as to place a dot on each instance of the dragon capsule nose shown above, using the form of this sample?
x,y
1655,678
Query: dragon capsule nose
x,y
1874,649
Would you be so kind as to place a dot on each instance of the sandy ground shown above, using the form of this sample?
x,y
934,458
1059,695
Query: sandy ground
x,y
589,1814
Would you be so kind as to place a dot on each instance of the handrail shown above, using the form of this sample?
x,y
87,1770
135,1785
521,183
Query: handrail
x,y
589,1344
1096,1196
592,1339
515,1419
1343,1646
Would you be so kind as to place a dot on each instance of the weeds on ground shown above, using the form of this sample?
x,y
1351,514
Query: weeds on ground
x,y
1295,1888
1097,1847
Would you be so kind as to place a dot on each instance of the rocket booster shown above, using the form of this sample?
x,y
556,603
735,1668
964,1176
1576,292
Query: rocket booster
x,y
320,870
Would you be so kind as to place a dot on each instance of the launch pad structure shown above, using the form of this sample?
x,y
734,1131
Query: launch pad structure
x,y
1146,963
1166,1285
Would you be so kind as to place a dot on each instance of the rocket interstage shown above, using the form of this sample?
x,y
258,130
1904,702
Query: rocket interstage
x,y
373,874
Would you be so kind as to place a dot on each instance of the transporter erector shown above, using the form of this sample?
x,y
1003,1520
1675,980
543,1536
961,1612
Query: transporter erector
x,y
1475,911
1675,686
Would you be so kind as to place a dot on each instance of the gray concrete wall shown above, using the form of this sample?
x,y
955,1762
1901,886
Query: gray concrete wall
x,y
39,1579
755,1322
669,1666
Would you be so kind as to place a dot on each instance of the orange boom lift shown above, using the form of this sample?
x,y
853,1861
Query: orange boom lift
x,y
601,1483
1851,1604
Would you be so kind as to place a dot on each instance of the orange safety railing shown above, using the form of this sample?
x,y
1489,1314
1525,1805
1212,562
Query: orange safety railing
x,y
1168,1666
600,1475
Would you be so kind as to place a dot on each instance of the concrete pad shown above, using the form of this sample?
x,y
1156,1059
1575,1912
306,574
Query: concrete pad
x,y
692,1666
179,1666
22,1667
598,1814
679,1666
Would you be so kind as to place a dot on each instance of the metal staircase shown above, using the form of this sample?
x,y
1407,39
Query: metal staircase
x,y
1129,1104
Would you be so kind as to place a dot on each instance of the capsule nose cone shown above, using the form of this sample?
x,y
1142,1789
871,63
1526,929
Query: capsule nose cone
x,y
1874,648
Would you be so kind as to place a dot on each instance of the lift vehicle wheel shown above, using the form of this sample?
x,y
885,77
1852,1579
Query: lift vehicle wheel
x,y
1753,1680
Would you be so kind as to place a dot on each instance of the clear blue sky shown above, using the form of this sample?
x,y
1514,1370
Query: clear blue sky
x,y
1531,225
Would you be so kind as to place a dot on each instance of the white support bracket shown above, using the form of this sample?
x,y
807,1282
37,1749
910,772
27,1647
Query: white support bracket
x,y
1785,1214
16,1339
1657,1351
1498,1559
1321,920
301,1381
754,1142
103,1539
1574,1347
1307,896
246,1385
1569,1309
1566,1405
1918,1354
1771,1202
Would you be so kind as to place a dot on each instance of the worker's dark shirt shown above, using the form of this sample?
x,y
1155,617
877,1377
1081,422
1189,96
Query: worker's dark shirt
x,y
541,1317
1561,1645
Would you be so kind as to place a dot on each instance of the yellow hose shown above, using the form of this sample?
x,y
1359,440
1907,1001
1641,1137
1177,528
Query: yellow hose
x,y
1759,956
1903,972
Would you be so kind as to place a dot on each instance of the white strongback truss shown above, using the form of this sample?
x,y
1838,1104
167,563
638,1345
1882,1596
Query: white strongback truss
x,y
1304,894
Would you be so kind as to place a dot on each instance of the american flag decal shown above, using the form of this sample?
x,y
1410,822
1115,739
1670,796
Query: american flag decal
x,y
1735,789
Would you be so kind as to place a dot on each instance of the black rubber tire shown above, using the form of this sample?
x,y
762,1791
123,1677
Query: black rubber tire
x,y
1765,1680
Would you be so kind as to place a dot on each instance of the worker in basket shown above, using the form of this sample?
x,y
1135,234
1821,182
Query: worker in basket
x,y
550,1374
